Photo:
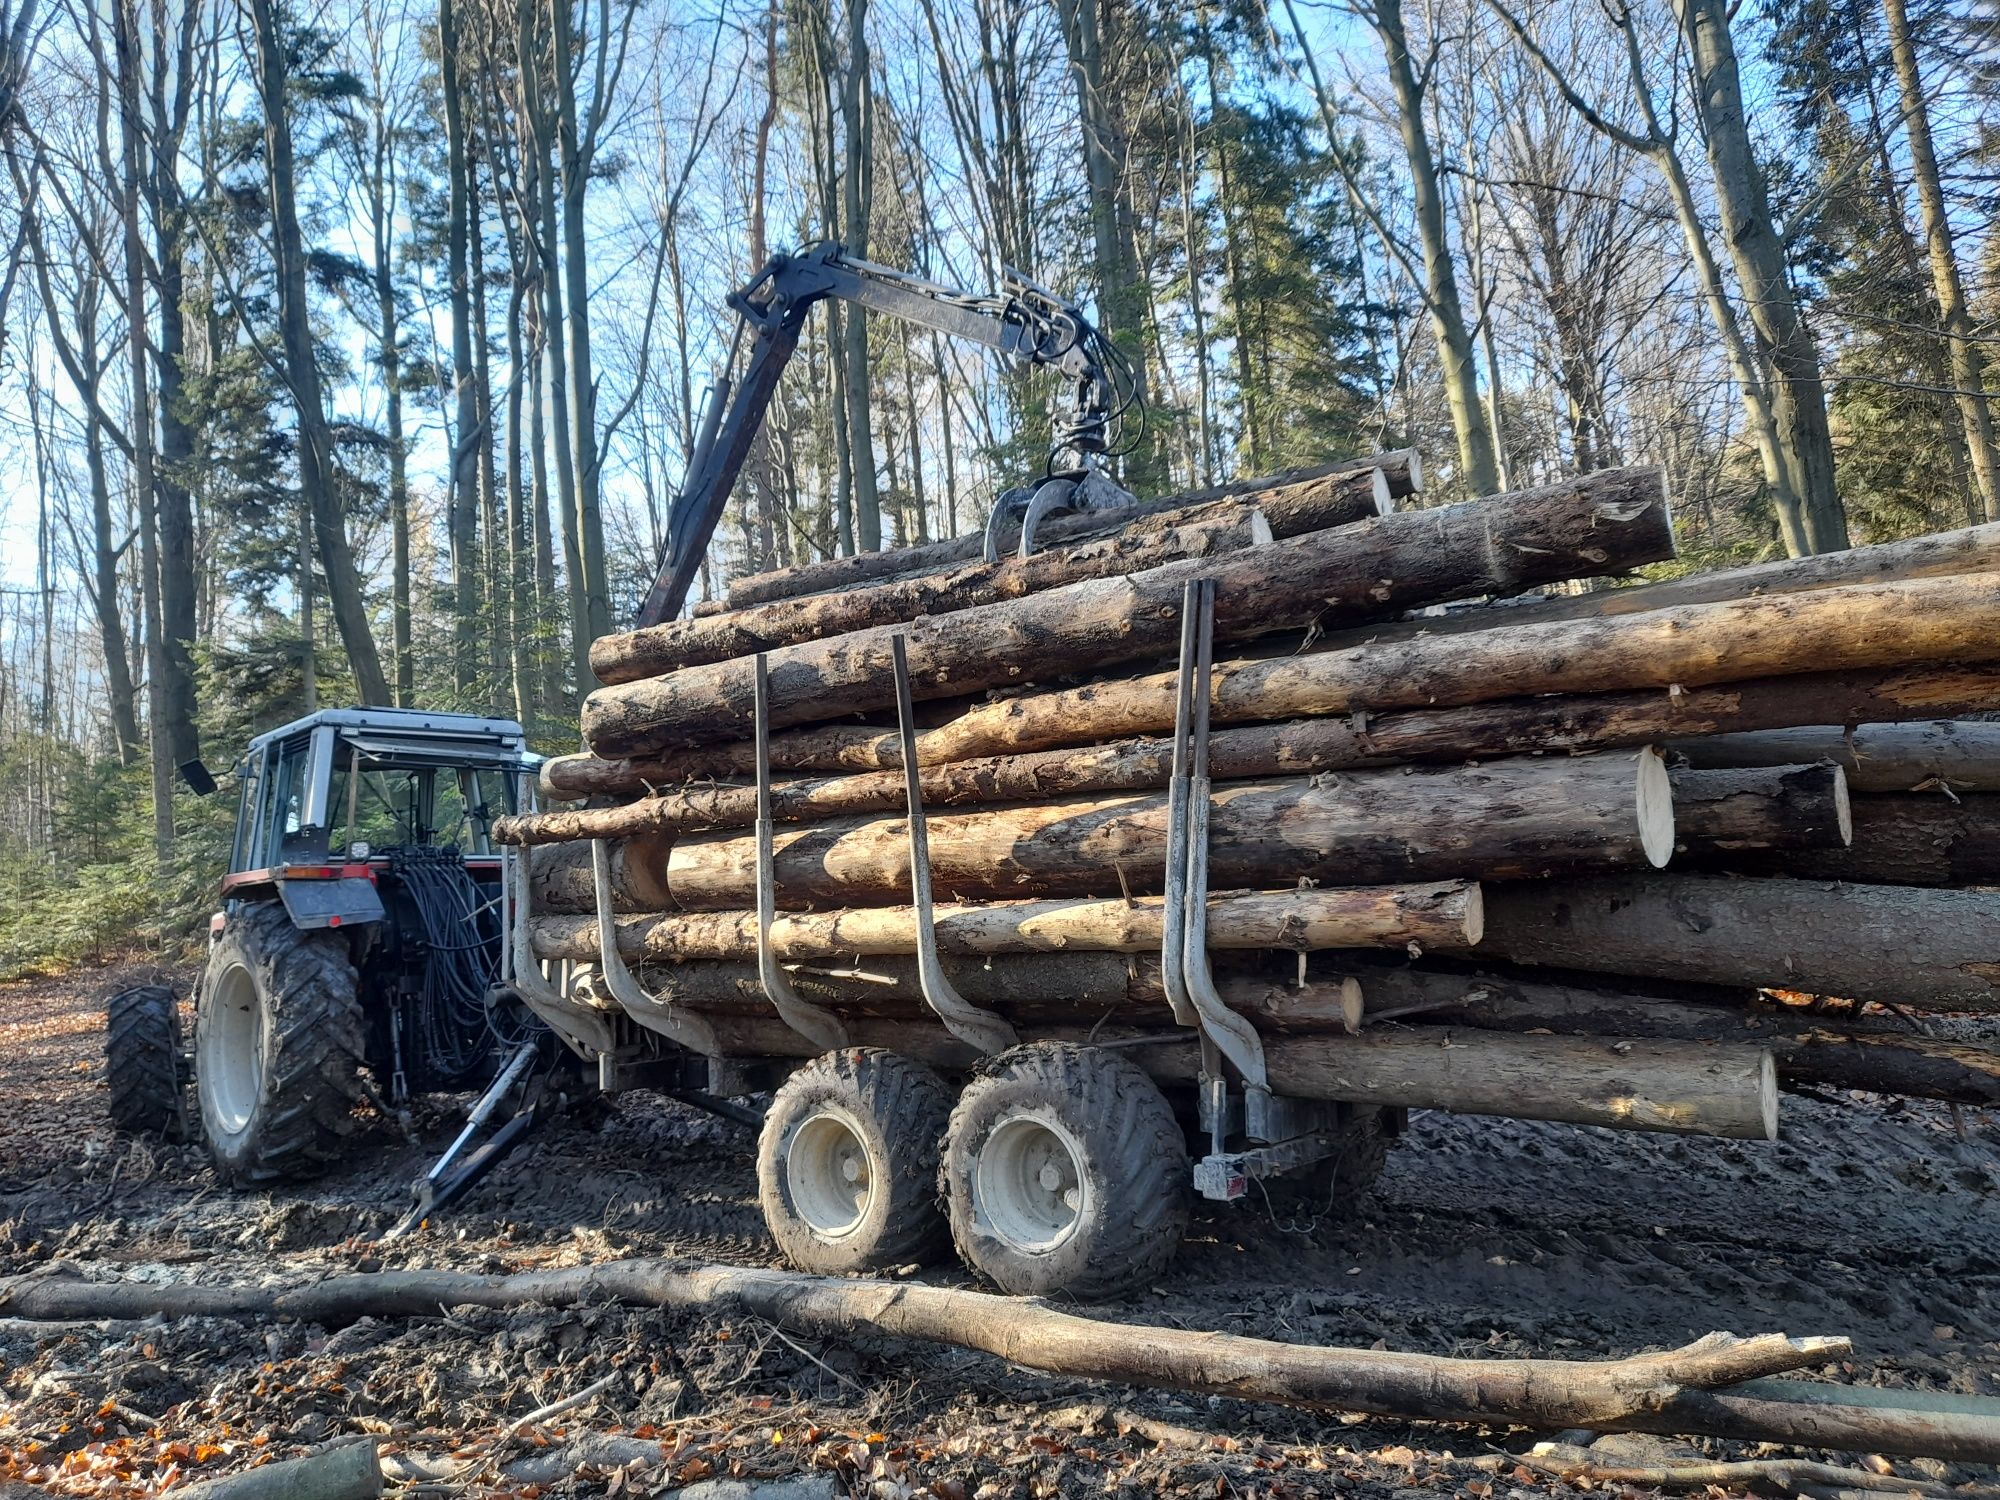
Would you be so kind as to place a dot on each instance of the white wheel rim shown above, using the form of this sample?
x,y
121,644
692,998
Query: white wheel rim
x,y
828,1174
230,1070
1028,1185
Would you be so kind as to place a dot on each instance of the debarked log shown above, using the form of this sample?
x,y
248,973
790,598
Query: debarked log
x,y
1512,819
1602,523
690,797
1878,1053
1782,807
1926,949
1960,754
1030,1333
1296,501
1446,912
1205,531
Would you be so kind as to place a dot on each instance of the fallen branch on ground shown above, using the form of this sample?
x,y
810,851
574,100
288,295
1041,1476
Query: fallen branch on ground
x,y
1647,1391
1781,1476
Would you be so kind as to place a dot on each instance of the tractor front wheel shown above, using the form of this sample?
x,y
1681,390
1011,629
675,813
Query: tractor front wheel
x,y
143,1067
278,1047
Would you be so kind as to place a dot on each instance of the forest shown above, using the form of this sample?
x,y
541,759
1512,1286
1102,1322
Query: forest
x,y
352,352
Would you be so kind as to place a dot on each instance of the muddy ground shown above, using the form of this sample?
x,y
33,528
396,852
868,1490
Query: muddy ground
x,y
1871,1218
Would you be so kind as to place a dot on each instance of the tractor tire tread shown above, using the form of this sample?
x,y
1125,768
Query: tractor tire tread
x,y
143,1068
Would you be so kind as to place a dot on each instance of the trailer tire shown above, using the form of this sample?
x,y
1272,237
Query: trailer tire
x,y
278,1047
143,1066
847,1163
1065,1171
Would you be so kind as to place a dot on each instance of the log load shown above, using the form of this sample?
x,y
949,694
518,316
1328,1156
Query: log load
x,y
1601,721
1925,949
1961,755
1971,549
1780,807
1923,838
1297,501
1513,819
1880,1054
1603,523
1204,531
1926,623
1444,913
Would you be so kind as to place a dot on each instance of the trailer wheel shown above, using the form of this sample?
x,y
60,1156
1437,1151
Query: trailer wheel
x,y
278,1047
1065,1171
143,1066
847,1163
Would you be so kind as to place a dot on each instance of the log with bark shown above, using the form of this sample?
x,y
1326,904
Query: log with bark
x,y
1779,807
1602,523
1923,838
1508,819
1961,755
1203,531
1926,949
1972,549
1447,912
1683,1088
1296,501
1927,622
1879,1053
690,796
1604,1394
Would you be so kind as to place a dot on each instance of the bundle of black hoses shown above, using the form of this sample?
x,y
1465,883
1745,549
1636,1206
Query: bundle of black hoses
x,y
455,1030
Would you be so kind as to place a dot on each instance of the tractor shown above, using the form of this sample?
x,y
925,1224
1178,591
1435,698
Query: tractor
x,y
354,955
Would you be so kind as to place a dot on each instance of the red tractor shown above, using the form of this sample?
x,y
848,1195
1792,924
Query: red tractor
x,y
355,951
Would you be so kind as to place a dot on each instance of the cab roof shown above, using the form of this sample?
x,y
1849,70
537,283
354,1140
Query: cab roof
x,y
414,722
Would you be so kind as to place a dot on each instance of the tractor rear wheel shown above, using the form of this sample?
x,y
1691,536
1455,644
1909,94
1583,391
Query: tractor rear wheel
x,y
278,1047
143,1066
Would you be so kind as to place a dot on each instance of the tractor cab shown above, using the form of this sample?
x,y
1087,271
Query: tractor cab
x,y
357,950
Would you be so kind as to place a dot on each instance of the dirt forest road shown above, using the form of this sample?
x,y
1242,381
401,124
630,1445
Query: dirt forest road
x,y
1871,1219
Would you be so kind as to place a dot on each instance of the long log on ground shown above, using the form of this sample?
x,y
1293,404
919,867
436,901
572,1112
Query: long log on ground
x,y
1923,838
348,1469
1509,819
1972,549
1963,755
1600,721
1022,1331
1598,524
1926,949
1879,1054
1788,807
1205,531
1296,501
1447,912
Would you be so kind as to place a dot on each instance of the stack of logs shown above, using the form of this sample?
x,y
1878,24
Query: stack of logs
x,y
1602,855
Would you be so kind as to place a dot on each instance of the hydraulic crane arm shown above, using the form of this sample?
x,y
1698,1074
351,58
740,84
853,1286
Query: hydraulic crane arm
x,y
1023,321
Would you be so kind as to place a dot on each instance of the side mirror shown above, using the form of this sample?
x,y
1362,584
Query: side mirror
x,y
197,776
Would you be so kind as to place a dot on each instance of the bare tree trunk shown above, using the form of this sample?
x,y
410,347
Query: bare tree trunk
x,y
462,503
857,188
1968,367
1798,396
329,526
1477,464
144,492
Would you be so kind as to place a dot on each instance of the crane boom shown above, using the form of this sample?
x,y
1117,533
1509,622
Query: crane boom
x,y
1023,321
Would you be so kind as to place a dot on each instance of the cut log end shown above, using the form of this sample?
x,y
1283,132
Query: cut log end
x,y
1473,904
1654,800
1379,488
1843,809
